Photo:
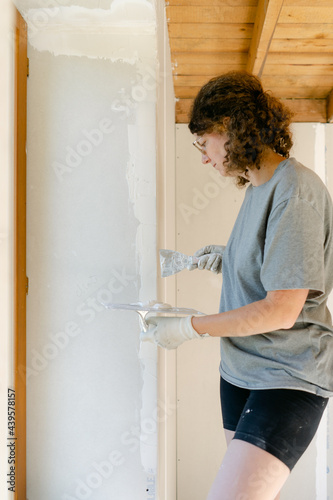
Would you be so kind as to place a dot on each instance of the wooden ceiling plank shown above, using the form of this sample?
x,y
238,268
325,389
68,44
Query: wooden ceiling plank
x,y
207,69
208,58
305,110
191,80
210,14
329,107
286,92
306,15
187,92
299,58
294,46
209,45
298,69
297,81
304,31
299,92
235,3
308,3
265,23
210,30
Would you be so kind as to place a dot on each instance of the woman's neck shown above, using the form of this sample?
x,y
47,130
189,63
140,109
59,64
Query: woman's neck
x,y
268,166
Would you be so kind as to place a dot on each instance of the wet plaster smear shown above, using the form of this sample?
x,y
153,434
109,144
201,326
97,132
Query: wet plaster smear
x,y
92,410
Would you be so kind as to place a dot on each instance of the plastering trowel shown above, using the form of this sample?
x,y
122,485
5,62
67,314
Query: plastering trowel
x,y
143,309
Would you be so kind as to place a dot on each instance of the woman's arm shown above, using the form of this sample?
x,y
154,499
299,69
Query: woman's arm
x,y
278,310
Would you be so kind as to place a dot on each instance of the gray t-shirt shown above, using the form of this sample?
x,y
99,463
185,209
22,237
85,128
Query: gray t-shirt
x,y
282,239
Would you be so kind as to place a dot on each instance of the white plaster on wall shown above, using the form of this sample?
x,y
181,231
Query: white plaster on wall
x,y
89,118
126,31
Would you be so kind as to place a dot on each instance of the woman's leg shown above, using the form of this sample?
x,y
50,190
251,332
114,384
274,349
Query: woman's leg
x,y
273,429
229,436
248,473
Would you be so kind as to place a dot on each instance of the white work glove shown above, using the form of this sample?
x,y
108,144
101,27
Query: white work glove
x,y
210,258
169,332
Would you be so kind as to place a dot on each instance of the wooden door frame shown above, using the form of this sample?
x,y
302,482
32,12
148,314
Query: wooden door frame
x,y
166,289
20,279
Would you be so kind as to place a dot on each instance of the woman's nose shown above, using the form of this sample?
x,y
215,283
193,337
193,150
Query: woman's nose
x,y
204,158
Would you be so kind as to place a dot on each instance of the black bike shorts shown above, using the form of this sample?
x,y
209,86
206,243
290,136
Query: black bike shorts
x,y
282,422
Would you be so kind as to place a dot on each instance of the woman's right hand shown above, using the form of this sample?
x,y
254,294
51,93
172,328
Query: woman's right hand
x,y
209,258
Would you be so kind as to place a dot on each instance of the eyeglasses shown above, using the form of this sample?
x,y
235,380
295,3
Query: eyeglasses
x,y
200,147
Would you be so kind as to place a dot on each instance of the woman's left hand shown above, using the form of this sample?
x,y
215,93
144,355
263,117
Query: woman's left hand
x,y
169,332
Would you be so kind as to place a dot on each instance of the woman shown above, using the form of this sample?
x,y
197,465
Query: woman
x,y
276,331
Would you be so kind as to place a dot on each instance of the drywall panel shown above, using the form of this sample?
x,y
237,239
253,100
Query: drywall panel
x,y
92,411
206,210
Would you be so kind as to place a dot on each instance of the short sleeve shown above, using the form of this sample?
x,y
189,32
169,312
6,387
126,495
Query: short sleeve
x,y
294,248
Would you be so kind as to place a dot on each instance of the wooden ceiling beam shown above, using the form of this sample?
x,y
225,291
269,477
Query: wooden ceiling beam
x,y
267,16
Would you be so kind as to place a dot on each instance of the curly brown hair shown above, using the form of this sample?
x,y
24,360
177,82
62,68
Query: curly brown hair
x,y
235,103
